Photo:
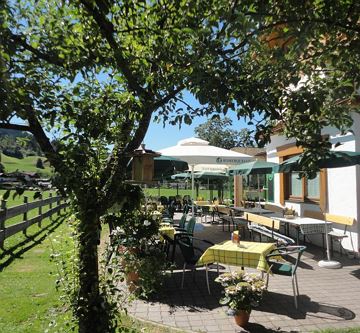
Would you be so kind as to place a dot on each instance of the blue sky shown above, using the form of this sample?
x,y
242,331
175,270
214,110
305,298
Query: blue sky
x,y
159,137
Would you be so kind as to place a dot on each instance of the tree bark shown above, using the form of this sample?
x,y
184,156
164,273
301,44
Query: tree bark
x,y
91,311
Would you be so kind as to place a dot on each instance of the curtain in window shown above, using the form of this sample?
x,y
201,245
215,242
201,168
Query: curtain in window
x,y
313,187
295,185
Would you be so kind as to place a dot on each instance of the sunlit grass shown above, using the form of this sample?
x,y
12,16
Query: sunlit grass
x,y
25,164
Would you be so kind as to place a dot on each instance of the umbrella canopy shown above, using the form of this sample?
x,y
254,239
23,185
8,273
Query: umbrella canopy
x,y
211,167
182,175
198,151
200,175
165,166
252,168
210,175
336,159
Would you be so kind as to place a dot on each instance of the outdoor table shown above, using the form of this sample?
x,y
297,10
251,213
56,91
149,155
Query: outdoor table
x,y
303,225
247,254
254,210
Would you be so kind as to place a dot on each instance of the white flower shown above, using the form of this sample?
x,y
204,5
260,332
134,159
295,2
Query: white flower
x,y
147,223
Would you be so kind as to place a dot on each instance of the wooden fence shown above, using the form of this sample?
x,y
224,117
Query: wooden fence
x,y
55,205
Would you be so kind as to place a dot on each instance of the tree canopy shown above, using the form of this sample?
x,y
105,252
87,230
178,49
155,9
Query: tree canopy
x,y
94,72
219,133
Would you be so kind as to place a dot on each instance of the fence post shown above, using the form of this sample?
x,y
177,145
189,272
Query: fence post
x,y
25,218
40,212
58,204
2,222
50,206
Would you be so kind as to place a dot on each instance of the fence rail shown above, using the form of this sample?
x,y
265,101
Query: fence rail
x,y
55,205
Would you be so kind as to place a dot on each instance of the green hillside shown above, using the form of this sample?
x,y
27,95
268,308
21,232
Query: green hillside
x,y
26,164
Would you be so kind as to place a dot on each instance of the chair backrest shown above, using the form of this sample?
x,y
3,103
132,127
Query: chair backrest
x,y
274,208
314,214
164,200
263,220
295,249
287,250
182,221
345,220
191,226
186,208
186,247
171,209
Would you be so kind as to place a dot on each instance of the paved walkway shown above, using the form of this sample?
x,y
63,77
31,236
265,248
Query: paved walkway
x,y
328,298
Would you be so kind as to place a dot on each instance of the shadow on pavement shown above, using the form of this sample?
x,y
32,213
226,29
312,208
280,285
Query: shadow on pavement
x,y
307,307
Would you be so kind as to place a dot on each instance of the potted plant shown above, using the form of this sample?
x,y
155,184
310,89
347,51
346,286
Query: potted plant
x,y
242,292
136,243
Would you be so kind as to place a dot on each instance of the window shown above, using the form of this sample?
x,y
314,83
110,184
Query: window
x,y
303,189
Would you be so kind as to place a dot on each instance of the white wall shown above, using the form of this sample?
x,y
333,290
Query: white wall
x,y
343,183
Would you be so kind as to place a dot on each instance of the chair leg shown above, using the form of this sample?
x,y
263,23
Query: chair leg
x,y
294,291
267,280
340,247
173,252
207,278
183,276
297,284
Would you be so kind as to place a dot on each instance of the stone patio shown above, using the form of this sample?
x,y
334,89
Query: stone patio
x,y
328,298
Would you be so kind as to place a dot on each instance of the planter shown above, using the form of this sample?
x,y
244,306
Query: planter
x,y
242,317
132,279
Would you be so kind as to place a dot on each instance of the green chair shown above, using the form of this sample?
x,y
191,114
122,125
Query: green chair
x,y
285,268
182,223
187,231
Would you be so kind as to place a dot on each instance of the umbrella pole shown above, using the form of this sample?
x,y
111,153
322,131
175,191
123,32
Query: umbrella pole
x,y
328,263
258,181
192,190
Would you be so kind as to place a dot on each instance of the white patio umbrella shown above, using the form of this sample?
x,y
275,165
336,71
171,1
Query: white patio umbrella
x,y
197,151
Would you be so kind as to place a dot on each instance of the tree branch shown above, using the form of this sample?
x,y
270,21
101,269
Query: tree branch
x,y
107,29
50,58
172,94
17,127
43,141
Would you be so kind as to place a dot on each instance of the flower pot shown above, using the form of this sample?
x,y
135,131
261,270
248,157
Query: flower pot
x,y
132,279
242,317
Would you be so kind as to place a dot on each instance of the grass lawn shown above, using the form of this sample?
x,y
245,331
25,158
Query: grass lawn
x,y
28,295
25,164
29,300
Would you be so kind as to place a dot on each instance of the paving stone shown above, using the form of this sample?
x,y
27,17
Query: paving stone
x,y
328,298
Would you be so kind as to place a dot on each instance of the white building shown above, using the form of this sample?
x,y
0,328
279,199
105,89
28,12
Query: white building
x,y
335,191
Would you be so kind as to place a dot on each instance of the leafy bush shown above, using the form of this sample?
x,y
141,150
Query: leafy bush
x,y
136,244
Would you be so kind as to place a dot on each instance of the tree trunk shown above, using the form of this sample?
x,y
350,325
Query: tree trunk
x,y
93,316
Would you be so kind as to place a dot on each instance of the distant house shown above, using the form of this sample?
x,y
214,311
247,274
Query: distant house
x,y
18,177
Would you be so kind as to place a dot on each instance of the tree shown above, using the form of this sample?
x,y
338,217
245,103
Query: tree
x,y
97,70
39,163
218,133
